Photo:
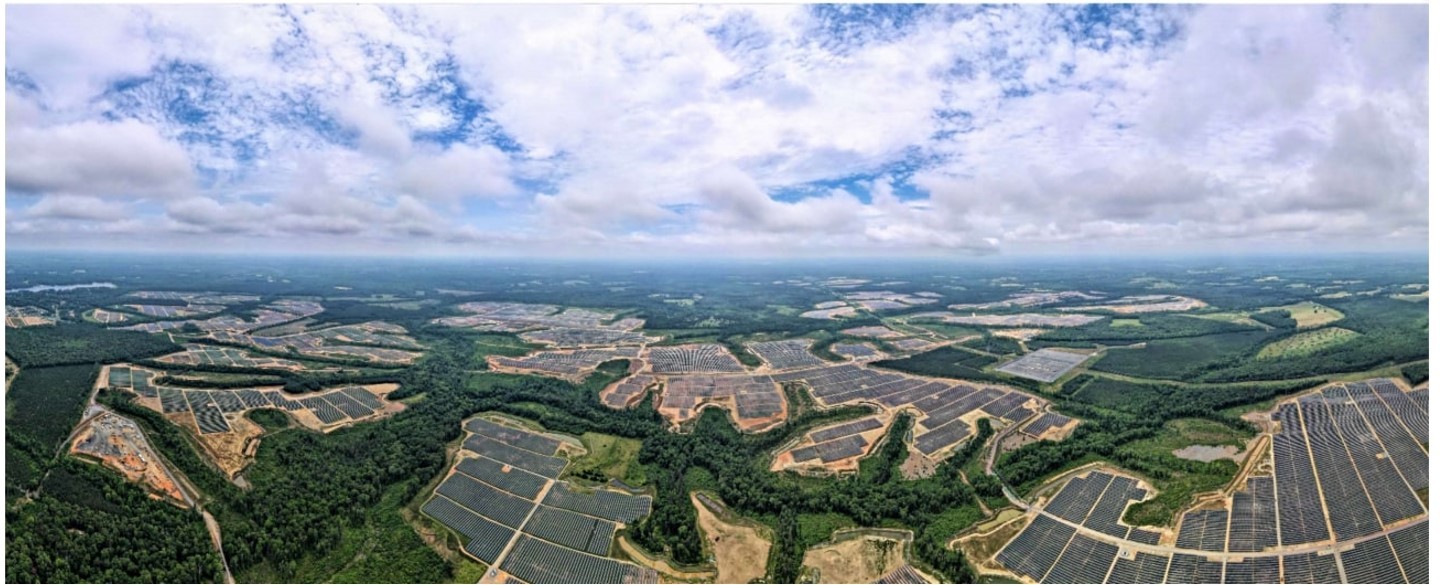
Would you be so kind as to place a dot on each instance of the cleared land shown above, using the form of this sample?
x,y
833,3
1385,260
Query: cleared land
x,y
120,445
1310,314
859,559
738,548
1306,343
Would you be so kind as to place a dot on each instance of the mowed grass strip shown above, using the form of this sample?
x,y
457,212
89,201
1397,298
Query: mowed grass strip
x,y
1306,343
1236,317
1310,314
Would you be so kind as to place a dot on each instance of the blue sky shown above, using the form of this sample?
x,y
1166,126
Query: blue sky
x,y
848,130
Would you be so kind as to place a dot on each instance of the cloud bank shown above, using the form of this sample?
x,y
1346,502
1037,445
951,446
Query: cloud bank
x,y
679,130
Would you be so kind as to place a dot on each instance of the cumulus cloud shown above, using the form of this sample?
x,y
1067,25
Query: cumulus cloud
x,y
461,171
710,129
125,158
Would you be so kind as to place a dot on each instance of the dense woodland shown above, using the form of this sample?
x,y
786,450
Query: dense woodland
x,y
67,344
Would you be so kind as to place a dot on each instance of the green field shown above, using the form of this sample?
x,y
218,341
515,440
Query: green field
x,y
1236,317
501,344
610,457
1310,314
1306,343
1119,322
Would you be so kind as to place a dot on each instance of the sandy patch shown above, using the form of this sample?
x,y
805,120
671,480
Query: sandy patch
x,y
740,551
232,451
1019,334
121,446
858,560
916,466
1208,453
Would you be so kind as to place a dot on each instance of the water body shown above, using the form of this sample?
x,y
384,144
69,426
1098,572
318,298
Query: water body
x,y
59,287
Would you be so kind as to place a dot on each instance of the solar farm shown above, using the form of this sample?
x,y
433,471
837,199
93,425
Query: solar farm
x,y
503,497
947,408
280,311
209,355
785,354
1337,504
26,317
627,392
1044,365
214,411
571,365
857,351
107,317
373,341
835,448
174,311
561,327
691,359
1014,320
755,401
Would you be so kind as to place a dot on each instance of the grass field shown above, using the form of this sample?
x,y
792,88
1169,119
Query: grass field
x,y
498,344
1306,343
613,457
1126,323
1310,314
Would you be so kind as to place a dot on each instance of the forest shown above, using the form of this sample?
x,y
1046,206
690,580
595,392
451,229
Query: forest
x,y
66,344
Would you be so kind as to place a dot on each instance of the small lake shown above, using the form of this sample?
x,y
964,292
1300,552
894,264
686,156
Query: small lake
x,y
59,287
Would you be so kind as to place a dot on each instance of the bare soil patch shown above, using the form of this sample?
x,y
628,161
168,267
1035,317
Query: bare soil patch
x,y
858,560
740,551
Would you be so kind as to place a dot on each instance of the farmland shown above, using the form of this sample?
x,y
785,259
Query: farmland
x,y
1306,342
1311,314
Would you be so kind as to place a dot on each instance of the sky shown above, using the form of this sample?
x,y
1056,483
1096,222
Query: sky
x,y
717,131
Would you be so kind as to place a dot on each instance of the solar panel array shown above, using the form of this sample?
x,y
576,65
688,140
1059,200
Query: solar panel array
x,y
1036,548
601,504
1142,568
538,561
833,450
755,397
1203,530
940,402
849,428
687,359
1253,524
1046,422
1044,365
566,363
1341,451
854,350
906,574
628,390
491,499
210,406
786,354
1302,517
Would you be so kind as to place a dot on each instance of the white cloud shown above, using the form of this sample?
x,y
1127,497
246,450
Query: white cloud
x,y
461,171
125,158
620,127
